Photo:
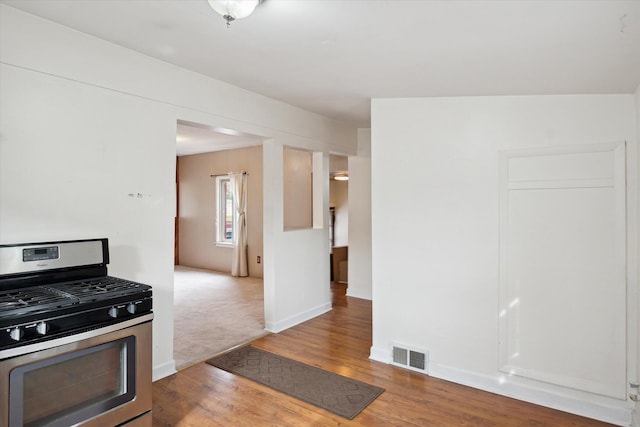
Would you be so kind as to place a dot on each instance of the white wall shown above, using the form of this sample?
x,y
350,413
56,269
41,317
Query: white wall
x,y
77,161
299,263
339,199
360,218
435,283
198,202
85,123
637,377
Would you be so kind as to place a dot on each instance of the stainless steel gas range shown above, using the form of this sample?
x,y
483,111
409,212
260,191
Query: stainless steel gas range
x,y
75,343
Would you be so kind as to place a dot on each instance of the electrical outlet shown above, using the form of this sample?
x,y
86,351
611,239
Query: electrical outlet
x,y
259,259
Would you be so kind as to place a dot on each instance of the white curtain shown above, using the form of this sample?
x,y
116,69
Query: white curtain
x,y
239,264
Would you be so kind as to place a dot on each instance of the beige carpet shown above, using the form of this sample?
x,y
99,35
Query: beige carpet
x,y
214,312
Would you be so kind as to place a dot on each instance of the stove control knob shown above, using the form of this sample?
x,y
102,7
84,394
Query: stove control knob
x,y
16,333
42,328
113,312
131,308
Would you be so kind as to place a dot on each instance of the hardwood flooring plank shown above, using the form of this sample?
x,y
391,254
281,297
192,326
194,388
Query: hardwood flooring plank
x,y
339,341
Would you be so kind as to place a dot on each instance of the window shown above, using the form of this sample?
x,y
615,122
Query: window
x,y
226,212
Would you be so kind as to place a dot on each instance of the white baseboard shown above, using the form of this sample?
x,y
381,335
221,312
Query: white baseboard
x,y
164,370
355,294
380,355
287,323
620,414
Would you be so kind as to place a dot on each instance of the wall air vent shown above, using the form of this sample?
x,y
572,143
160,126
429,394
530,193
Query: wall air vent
x,y
410,358
400,356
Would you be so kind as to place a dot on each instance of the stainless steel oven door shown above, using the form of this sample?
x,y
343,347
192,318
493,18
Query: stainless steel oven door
x,y
103,379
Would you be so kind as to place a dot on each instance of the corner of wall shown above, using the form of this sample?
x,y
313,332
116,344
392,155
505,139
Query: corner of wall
x,y
379,354
364,142
164,370
281,325
359,212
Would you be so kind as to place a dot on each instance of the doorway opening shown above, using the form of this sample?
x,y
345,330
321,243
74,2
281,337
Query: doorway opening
x,y
214,311
339,220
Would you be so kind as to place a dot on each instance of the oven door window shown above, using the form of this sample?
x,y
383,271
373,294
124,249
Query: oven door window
x,y
76,386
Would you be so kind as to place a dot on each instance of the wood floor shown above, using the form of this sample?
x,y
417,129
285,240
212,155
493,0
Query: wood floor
x,y
338,341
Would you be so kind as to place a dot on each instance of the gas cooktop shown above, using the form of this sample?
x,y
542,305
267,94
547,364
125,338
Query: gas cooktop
x,y
49,290
21,302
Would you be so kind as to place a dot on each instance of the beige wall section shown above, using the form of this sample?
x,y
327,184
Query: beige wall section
x,y
197,205
297,168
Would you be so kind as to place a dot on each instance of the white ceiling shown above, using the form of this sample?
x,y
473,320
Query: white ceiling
x,y
332,56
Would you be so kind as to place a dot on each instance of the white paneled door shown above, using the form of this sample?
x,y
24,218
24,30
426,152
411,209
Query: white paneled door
x,y
563,266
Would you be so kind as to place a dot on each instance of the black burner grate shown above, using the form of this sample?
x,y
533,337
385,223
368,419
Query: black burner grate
x,y
26,300
100,288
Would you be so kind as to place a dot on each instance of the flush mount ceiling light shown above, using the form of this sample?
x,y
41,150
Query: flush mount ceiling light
x,y
341,176
234,9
